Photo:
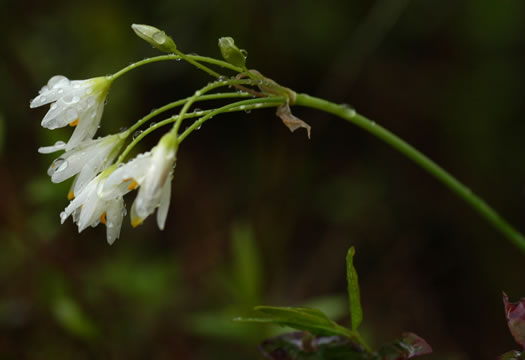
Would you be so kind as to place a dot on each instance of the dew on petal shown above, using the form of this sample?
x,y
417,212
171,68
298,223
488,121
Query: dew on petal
x,y
56,80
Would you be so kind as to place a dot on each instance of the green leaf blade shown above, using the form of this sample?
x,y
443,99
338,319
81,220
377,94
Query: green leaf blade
x,y
306,319
354,298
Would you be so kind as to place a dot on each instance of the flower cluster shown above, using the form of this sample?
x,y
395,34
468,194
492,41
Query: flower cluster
x,y
99,186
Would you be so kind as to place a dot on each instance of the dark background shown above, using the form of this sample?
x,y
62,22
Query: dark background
x,y
260,215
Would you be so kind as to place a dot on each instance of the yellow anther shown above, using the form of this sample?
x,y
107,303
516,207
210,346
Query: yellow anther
x,y
133,185
71,195
136,221
103,218
74,123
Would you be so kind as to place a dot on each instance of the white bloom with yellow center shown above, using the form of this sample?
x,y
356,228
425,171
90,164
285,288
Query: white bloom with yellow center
x,y
152,172
87,160
88,208
78,103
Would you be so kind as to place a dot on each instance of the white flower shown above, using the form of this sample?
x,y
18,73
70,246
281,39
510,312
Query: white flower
x,y
78,103
89,208
87,160
151,171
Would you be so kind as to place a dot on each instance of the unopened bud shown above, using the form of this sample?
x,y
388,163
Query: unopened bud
x,y
232,53
155,37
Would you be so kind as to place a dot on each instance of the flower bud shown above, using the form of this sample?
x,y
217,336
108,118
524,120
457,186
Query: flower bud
x,y
155,37
232,53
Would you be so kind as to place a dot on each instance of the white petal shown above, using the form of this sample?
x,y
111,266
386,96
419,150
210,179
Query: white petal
x,y
114,216
74,205
162,211
134,169
59,145
86,128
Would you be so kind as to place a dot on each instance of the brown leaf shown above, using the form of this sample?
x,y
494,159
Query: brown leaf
x,y
292,122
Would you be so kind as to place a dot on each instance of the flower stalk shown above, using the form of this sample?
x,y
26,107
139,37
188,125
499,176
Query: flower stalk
x,y
474,201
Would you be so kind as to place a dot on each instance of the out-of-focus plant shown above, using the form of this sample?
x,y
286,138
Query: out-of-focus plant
x,y
323,339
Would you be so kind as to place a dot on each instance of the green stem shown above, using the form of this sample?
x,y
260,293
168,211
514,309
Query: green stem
x,y
200,93
478,204
142,62
197,64
240,106
174,104
193,59
236,106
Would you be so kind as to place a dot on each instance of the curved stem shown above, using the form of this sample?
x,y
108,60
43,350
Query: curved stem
x,y
201,92
143,62
174,104
478,204
239,106
197,64
193,59
236,106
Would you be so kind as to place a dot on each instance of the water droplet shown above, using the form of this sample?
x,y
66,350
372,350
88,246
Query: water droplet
x,y
63,216
58,165
43,99
55,80
247,111
152,124
198,127
60,143
89,91
197,110
53,106
76,86
349,109
75,99
60,91
178,59
123,128
198,93
136,134
222,78
242,107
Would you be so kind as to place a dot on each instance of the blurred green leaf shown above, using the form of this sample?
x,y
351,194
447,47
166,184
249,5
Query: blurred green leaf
x,y
354,299
334,306
69,314
306,319
219,325
247,272
2,133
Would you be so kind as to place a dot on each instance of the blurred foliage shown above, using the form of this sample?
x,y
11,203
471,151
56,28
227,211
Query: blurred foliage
x,y
257,211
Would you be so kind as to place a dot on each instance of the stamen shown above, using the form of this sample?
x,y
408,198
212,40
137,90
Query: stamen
x,y
103,218
136,222
71,195
74,123
133,185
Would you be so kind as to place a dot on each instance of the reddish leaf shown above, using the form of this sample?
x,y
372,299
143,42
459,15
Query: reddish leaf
x,y
409,346
515,314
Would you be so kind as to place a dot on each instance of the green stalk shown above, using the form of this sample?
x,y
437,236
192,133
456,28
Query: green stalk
x,y
478,204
